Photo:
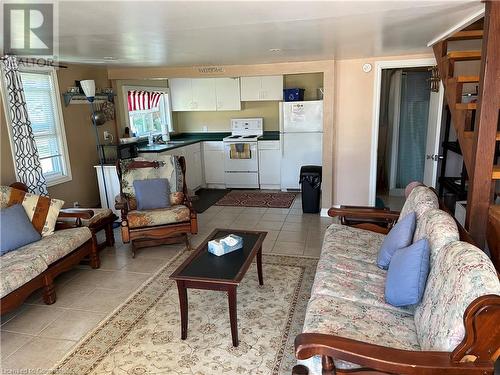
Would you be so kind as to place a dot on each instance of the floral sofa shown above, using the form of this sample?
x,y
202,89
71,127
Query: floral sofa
x,y
36,265
349,326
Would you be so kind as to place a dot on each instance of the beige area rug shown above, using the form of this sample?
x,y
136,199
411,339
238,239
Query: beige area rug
x,y
143,335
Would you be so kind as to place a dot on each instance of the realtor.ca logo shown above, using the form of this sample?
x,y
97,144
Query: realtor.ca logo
x,y
28,29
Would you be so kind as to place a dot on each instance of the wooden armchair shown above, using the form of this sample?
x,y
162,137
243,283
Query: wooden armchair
x,y
160,226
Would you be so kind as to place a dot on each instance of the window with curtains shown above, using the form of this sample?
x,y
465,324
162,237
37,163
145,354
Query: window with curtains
x,y
148,110
42,102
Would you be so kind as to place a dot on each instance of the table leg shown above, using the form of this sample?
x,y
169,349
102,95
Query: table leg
x,y
259,266
233,318
183,301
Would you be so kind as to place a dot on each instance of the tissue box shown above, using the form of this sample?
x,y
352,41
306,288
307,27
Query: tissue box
x,y
225,245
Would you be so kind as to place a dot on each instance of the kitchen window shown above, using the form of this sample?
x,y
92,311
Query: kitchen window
x,y
148,110
44,112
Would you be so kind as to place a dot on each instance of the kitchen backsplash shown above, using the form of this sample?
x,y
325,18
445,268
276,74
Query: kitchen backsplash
x,y
218,121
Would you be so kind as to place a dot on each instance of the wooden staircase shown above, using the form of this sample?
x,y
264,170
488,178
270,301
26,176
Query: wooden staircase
x,y
476,124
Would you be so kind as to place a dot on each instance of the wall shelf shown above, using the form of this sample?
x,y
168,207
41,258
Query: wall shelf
x,y
77,98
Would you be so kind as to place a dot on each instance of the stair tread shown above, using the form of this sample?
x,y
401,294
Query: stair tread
x,y
466,106
496,172
467,79
464,55
470,134
467,34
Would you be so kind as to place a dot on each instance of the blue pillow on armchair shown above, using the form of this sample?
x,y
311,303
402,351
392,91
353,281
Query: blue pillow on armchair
x,y
407,274
401,235
16,229
152,193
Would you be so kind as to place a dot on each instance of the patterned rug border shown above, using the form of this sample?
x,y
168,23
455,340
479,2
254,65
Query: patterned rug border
x,y
127,327
230,203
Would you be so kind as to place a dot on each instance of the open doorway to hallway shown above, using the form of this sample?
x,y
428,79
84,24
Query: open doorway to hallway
x,y
403,132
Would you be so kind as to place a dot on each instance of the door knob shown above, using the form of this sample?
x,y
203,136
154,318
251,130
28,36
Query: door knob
x,y
434,157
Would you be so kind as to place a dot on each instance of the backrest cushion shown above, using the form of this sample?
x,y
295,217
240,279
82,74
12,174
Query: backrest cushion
x,y
420,200
439,228
169,169
461,273
16,229
152,193
42,211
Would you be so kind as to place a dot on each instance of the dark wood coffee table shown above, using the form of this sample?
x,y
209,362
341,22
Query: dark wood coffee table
x,y
203,270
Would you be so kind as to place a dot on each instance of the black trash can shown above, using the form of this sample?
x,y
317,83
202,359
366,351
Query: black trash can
x,y
310,179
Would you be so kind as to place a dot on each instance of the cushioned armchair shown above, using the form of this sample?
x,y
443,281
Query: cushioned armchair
x,y
159,226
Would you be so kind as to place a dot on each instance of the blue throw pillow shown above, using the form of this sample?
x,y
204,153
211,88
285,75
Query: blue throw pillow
x,y
407,274
16,229
401,235
152,193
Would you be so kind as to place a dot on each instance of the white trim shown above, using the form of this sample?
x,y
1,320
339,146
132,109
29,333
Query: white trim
x,y
457,27
379,65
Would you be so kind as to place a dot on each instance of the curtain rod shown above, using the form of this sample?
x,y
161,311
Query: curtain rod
x,y
39,62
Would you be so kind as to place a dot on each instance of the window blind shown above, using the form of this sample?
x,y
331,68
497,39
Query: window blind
x,y
42,113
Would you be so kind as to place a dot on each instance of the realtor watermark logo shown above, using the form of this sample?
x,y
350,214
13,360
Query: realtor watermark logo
x,y
29,30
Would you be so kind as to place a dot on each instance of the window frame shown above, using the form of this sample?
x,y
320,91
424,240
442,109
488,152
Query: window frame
x,y
165,90
60,129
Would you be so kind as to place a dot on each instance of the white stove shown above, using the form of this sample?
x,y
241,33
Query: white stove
x,y
241,155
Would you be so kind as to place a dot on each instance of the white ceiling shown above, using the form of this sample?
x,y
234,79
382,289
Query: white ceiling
x,y
242,32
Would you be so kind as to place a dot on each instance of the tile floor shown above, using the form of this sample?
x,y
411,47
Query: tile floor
x,y
36,336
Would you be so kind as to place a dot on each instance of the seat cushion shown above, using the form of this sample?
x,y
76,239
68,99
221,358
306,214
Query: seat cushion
x,y
460,273
17,268
57,245
420,200
359,321
162,216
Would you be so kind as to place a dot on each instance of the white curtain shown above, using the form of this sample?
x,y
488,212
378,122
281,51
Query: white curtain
x,y
28,167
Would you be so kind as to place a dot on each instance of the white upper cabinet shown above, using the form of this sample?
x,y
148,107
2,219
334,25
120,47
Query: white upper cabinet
x,y
205,94
227,91
261,88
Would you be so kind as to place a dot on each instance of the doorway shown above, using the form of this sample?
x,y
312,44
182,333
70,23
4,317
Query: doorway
x,y
409,117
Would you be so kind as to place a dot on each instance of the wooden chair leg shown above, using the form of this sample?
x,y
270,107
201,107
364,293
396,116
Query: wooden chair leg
x,y
49,290
95,261
328,365
300,370
110,237
132,246
188,243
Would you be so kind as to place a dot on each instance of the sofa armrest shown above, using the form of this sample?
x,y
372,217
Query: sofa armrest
x,y
381,358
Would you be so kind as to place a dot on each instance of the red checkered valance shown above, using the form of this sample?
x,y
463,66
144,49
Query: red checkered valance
x,y
140,100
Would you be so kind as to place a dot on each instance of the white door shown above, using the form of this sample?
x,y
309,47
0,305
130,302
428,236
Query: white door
x,y
227,92
433,136
300,117
299,149
181,94
203,94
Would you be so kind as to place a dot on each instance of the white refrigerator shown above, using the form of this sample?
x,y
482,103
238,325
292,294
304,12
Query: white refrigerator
x,y
301,135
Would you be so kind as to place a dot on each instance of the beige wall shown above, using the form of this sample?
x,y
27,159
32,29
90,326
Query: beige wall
x,y
80,138
353,116
7,172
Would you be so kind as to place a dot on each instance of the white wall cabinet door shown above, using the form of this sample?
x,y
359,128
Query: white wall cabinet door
x,y
261,88
181,93
203,94
227,92
269,165
112,186
272,88
213,161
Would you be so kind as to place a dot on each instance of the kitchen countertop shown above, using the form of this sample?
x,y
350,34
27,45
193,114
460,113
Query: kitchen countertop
x,y
186,139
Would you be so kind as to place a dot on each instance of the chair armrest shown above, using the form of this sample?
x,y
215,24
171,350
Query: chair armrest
x,y
364,213
381,358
